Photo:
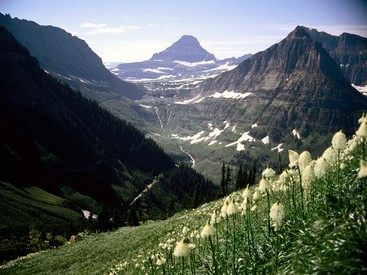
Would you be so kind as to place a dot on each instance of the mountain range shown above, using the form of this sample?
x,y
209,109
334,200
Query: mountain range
x,y
290,95
185,58
245,111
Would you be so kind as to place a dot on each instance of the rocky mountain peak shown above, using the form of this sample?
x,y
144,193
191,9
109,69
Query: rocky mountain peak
x,y
187,48
299,32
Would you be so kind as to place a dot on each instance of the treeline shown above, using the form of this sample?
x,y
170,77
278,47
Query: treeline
x,y
175,190
231,182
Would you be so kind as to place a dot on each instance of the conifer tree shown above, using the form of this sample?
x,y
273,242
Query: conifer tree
x,y
239,178
223,191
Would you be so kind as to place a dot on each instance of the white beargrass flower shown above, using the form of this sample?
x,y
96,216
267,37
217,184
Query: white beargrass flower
x,y
351,145
330,156
256,195
264,185
223,210
215,218
362,130
320,167
284,177
277,215
160,260
362,170
308,177
268,173
293,158
304,160
208,230
185,230
253,208
246,194
182,249
362,119
243,207
232,209
339,141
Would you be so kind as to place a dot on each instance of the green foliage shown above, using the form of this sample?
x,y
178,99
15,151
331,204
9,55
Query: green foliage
x,y
320,227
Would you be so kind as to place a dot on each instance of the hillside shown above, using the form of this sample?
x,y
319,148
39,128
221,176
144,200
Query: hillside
x,y
282,226
78,155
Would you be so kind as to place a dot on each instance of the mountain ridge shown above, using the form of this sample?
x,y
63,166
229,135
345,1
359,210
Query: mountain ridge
x,y
185,58
67,56
187,48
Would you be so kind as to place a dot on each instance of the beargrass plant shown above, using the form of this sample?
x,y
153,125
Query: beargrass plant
x,y
310,219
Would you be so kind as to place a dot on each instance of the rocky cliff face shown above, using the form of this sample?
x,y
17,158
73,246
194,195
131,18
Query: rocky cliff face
x,y
295,84
348,50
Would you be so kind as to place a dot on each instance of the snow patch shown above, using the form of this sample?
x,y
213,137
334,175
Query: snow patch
x,y
231,94
216,132
240,147
279,148
361,89
254,125
87,214
234,128
145,106
265,140
244,137
212,142
194,64
296,134
224,67
227,125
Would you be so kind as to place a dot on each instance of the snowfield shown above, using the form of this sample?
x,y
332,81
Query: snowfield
x,y
231,94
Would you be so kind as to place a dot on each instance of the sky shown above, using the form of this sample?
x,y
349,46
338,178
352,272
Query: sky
x,y
129,31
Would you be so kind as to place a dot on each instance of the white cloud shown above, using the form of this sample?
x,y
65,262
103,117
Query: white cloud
x,y
114,30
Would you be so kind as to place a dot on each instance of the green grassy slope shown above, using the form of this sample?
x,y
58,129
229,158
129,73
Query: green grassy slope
x,y
310,219
32,206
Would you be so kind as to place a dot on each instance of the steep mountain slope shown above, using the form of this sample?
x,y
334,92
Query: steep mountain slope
x,y
348,50
299,78
70,59
57,140
67,56
292,94
185,58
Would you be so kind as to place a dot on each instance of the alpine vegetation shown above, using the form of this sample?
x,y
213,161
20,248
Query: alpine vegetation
x,y
311,218
308,219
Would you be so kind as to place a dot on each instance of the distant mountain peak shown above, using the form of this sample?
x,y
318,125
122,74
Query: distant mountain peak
x,y
299,32
187,48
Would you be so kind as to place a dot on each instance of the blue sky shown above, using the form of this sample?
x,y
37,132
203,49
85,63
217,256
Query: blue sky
x,y
128,31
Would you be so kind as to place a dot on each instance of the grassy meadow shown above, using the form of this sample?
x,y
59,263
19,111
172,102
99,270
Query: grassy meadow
x,y
310,219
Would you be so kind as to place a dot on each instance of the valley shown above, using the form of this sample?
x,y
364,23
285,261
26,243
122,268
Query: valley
x,y
156,151
248,113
